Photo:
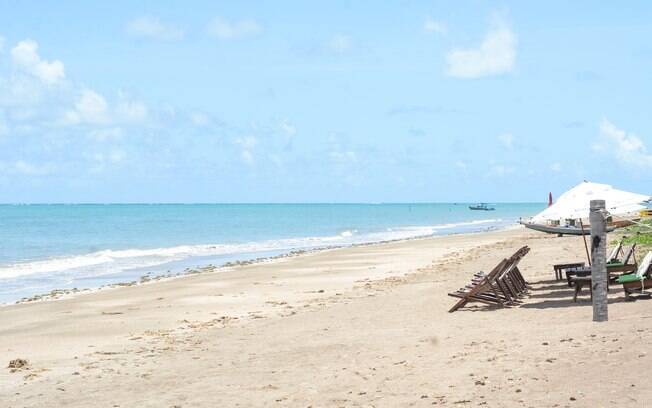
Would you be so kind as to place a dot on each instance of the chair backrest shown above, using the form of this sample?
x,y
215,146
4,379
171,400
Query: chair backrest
x,y
614,252
629,253
644,266
488,278
497,270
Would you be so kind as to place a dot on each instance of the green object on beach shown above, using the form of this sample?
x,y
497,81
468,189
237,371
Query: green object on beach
x,y
630,277
614,264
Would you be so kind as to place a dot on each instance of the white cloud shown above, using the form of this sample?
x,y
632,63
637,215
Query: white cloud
x,y
131,111
199,119
627,147
90,108
247,144
102,135
340,44
152,27
29,169
103,160
343,157
25,56
247,157
93,109
289,129
496,55
116,156
556,167
434,26
226,30
460,165
500,170
507,140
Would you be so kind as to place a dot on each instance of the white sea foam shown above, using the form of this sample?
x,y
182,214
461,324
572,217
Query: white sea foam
x,y
114,261
348,233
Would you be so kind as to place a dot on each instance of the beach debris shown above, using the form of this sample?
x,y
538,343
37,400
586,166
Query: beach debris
x,y
18,364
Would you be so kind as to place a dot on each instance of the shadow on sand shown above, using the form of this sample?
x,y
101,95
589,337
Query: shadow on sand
x,y
558,294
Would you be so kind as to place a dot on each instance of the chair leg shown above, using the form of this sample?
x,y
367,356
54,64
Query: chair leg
x,y
459,304
578,288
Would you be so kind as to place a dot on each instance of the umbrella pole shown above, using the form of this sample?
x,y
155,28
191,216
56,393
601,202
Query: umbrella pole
x,y
586,247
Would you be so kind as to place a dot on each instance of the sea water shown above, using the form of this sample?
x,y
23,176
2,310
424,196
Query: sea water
x,y
64,246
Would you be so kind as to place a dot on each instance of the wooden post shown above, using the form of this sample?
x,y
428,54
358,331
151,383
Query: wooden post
x,y
599,280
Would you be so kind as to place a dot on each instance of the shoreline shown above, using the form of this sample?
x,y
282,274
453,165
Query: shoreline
x,y
58,293
355,326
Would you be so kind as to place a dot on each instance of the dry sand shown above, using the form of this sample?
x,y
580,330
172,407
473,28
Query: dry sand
x,y
363,326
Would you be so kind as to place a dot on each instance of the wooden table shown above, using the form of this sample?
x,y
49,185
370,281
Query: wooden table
x,y
559,268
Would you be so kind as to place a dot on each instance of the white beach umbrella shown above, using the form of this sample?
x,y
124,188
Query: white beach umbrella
x,y
574,203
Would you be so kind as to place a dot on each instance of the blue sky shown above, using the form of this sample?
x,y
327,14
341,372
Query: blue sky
x,y
343,101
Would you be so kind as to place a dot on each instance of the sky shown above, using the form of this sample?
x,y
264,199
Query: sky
x,y
338,101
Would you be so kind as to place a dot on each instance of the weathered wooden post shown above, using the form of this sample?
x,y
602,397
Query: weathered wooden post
x,y
599,280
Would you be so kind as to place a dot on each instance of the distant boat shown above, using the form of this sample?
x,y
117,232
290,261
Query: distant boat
x,y
481,207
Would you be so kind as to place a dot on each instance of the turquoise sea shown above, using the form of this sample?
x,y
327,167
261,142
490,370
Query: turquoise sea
x,y
59,246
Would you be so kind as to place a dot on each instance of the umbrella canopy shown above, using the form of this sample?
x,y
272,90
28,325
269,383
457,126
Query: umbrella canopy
x,y
574,204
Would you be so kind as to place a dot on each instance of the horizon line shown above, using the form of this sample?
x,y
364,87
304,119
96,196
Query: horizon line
x,y
275,203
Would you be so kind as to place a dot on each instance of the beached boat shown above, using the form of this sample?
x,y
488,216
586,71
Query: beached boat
x,y
481,207
563,229
566,215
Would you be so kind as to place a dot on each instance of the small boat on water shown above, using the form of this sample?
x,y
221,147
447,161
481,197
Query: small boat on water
x,y
481,207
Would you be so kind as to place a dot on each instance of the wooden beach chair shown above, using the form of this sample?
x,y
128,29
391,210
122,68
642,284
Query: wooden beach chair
x,y
562,268
583,277
480,290
615,252
502,286
623,265
511,277
640,280
614,268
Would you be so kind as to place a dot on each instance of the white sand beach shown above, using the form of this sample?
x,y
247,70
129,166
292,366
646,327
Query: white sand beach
x,y
362,326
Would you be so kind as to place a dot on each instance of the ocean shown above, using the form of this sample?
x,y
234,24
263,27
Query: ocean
x,y
64,246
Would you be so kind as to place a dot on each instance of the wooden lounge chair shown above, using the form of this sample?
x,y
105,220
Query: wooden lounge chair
x,y
503,286
481,290
615,252
631,282
511,275
623,265
640,280
572,266
614,268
